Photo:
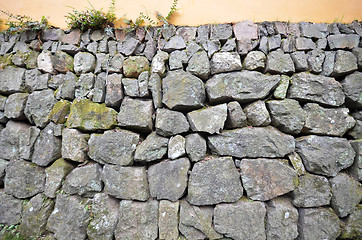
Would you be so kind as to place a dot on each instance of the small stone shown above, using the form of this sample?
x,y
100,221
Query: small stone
x,y
322,43
74,145
176,147
195,147
10,209
155,87
212,46
84,62
67,88
131,87
169,123
278,62
60,112
199,65
192,48
114,92
134,65
55,175
288,44
352,87
210,120
168,215
220,31
257,114
315,60
274,42
300,60
187,33
297,163
27,141
34,80
225,62
52,34
345,62
15,105
358,54
158,64
229,46
154,147
255,60
236,117
98,92
281,90
11,80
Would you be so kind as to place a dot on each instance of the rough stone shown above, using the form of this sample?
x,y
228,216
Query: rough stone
x,y
55,175
74,145
158,64
35,216
281,220
52,34
38,107
176,147
27,141
252,142
352,87
274,42
137,220
178,59
182,91
105,214
88,116
113,147
313,30
131,87
136,114
300,60
346,194
187,33
327,121
114,91
45,62
225,62
168,179
229,46
236,117
60,112
70,218
133,66
281,90
34,80
358,54
195,147
264,179
168,217
169,123
343,41
257,114
10,209
84,85
67,89
245,30
155,87
154,147
353,226
62,62
84,62
288,44
15,105
297,163
210,120
316,88
318,223
325,155
220,31
199,65
128,46
24,179
241,220
125,182
315,60
11,80
279,62
345,62
212,46
244,86
356,168
214,181
304,44
175,43
255,60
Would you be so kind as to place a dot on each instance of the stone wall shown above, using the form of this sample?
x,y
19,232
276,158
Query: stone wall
x,y
229,131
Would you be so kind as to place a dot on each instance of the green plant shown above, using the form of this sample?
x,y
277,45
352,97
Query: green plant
x,y
92,18
21,23
338,20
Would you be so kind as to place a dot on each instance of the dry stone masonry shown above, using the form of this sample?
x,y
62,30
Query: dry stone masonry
x,y
226,131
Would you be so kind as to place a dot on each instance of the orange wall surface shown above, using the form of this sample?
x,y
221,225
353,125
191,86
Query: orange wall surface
x,y
197,12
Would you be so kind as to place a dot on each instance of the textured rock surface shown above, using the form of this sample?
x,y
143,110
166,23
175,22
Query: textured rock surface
x,y
176,147
168,217
257,115
236,116
199,65
210,120
133,66
225,62
74,145
255,60
252,142
356,168
15,105
264,179
352,228
55,174
11,80
278,62
352,87
195,147
10,209
241,220
84,62
169,123
214,181
154,147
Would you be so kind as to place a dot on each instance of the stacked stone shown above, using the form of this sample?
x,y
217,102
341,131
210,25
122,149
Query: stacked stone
x,y
228,131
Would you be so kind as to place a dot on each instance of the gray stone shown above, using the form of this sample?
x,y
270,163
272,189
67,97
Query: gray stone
x,y
3,164
300,61
356,132
214,181
103,46
322,43
52,34
257,115
325,155
281,220
313,30
353,226
47,140
131,87
187,33
3,119
195,147
241,220
84,85
281,28
245,30
45,62
15,105
84,181
10,209
114,92
212,46
168,215
352,87
2,102
128,46
236,117
225,62
169,123
155,87
38,107
199,65
98,92
74,145
97,35
315,60
182,91
150,50
113,147
203,33
84,62
27,141
154,147
103,61
293,29
281,90
192,48
312,191
343,41
6,47
328,64
252,142
92,47
229,46
143,84
297,163
356,168
70,218
177,59
255,60
158,64
288,44
244,86
274,42
316,88
304,44
175,43
35,216
287,115
264,179
55,175
67,89
345,62
346,194
210,120
35,81
125,182
11,80
318,223
136,114
168,179
70,49
327,121
189,233
279,62
358,54
105,214
55,81
176,147
220,31
133,66
62,62
24,179
115,64
199,218
137,220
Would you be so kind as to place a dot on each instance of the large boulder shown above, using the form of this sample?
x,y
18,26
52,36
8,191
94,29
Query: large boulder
x,y
214,181
12,80
264,179
169,123
352,87
325,155
210,120
244,86
252,142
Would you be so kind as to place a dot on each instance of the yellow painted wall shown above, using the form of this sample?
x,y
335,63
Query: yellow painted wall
x,y
196,12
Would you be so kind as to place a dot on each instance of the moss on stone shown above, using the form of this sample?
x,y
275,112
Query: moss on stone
x,y
60,112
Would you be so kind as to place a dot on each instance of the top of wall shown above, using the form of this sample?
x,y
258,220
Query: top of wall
x,y
191,12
